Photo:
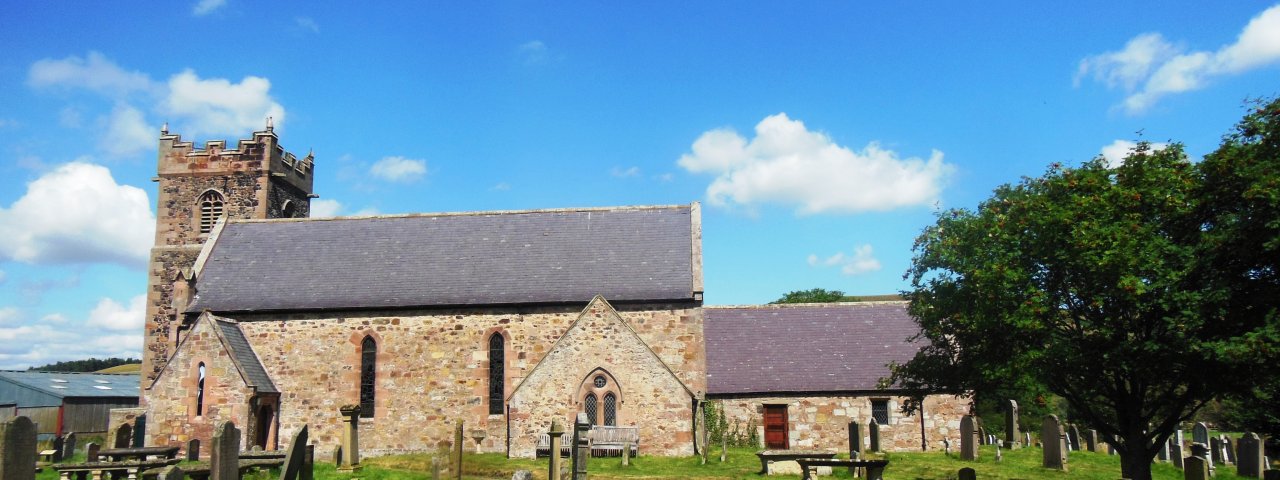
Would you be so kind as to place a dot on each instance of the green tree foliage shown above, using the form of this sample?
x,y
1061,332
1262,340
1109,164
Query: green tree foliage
x,y
814,295
1136,293
87,365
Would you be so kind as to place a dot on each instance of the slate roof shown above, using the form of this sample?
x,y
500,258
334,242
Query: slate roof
x,y
805,348
483,258
242,354
76,385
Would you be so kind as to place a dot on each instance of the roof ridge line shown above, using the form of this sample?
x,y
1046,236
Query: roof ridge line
x,y
471,213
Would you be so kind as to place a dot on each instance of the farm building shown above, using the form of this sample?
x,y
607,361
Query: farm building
x,y
66,402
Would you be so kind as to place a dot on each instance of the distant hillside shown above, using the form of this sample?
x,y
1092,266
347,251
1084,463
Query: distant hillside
x,y
126,368
87,365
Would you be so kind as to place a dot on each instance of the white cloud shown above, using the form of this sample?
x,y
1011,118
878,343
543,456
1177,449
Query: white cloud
x,y
110,315
95,73
8,316
127,132
625,172
55,318
1119,149
501,187
1148,67
325,208
217,106
205,7
399,169
78,214
862,261
788,164
534,52
307,23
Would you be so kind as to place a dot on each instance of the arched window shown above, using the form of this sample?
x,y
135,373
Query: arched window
x,y
288,210
368,373
497,373
610,410
200,390
589,406
210,210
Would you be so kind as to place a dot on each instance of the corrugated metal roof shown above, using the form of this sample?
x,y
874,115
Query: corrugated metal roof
x,y
255,374
549,256
805,348
79,385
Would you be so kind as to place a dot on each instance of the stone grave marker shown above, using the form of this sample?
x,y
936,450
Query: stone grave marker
x,y
457,451
1011,424
522,475
855,440
1197,468
69,445
1271,475
968,438
1091,440
1250,456
193,450
1175,451
1200,433
1162,455
581,446
308,464
91,452
1229,444
1201,450
171,472
224,456
982,434
1215,450
57,449
295,458
1053,437
967,473
18,449
873,429
1075,438
351,438
1026,439
553,469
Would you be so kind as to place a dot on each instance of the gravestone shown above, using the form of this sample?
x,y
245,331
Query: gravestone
x,y
581,446
69,445
968,438
57,449
522,475
1200,433
1175,451
553,469
982,434
91,452
193,450
1229,444
1197,468
1201,450
1215,450
873,429
1091,440
171,472
1054,439
967,473
1011,424
140,431
124,436
18,449
224,455
295,459
1271,475
351,438
457,451
1162,453
308,464
337,456
1250,456
1075,438
855,440
1026,439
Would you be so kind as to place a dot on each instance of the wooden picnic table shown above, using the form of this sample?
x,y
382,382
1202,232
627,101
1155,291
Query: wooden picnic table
x,y
141,453
874,468
103,470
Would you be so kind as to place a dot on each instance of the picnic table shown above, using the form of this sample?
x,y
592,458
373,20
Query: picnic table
x,y
103,470
141,453
874,468
767,457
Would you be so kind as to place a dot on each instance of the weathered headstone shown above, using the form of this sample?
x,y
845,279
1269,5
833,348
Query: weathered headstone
x,y
982,435
967,473
1201,450
553,470
457,451
295,458
1091,440
308,464
1162,453
91,452
140,431
337,456
1026,439
69,445
1250,456
1215,450
1054,439
171,472
1075,438
1175,451
581,446
1011,424
193,450
18,449
351,438
1271,475
968,438
1200,433
1196,468
224,454
522,475
855,440
873,430
57,449
1229,444
124,436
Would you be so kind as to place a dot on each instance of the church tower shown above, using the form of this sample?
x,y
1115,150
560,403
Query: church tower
x,y
198,187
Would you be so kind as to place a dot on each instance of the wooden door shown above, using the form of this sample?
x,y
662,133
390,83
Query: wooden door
x,y
775,427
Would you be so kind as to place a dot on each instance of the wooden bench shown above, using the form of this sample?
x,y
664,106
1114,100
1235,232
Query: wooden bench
x,y
544,446
767,457
874,468
103,470
609,441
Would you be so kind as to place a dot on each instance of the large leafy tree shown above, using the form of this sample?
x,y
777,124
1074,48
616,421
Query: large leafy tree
x,y
1136,293
814,295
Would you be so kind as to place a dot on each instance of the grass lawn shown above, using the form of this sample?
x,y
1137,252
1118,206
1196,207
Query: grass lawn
x,y
742,463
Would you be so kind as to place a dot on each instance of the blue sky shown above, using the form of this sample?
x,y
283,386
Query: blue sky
x,y
819,136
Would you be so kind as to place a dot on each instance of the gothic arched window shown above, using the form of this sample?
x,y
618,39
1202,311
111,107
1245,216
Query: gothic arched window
x,y
200,390
211,209
368,373
288,210
610,410
497,373
589,406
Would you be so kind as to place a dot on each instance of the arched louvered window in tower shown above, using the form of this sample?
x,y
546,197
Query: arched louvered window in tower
x,y
200,390
497,373
211,209
368,374
589,406
610,410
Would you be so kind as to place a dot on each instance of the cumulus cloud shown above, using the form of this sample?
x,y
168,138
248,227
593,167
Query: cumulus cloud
x,y
399,169
1119,149
307,23
47,342
332,208
78,214
95,73
8,316
215,105
788,164
1149,67
862,261
127,132
205,7
110,315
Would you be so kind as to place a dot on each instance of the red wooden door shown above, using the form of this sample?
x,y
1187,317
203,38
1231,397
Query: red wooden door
x,y
775,427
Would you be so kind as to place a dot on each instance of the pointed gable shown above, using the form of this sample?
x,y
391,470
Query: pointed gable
x,y
232,342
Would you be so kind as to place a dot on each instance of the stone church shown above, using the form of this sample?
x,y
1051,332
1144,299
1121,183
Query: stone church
x,y
505,320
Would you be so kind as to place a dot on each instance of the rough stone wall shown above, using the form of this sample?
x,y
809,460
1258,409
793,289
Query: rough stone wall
x,y
432,367
166,263
281,192
172,418
122,416
600,344
822,422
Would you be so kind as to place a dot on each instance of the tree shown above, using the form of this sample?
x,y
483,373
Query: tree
x,y
86,365
814,295
1122,290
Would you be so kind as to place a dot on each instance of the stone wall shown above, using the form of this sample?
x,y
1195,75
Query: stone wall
x,y
172,418
432,367
822,422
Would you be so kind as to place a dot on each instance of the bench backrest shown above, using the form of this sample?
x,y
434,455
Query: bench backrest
x,y
617,435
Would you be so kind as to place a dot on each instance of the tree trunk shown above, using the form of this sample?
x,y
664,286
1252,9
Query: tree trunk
x,y
1136,455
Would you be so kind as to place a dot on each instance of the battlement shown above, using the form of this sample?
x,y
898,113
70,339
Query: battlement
x,y
261,154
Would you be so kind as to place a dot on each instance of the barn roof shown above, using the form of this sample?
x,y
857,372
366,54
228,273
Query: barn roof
x,y
73,385
479,258
838,347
